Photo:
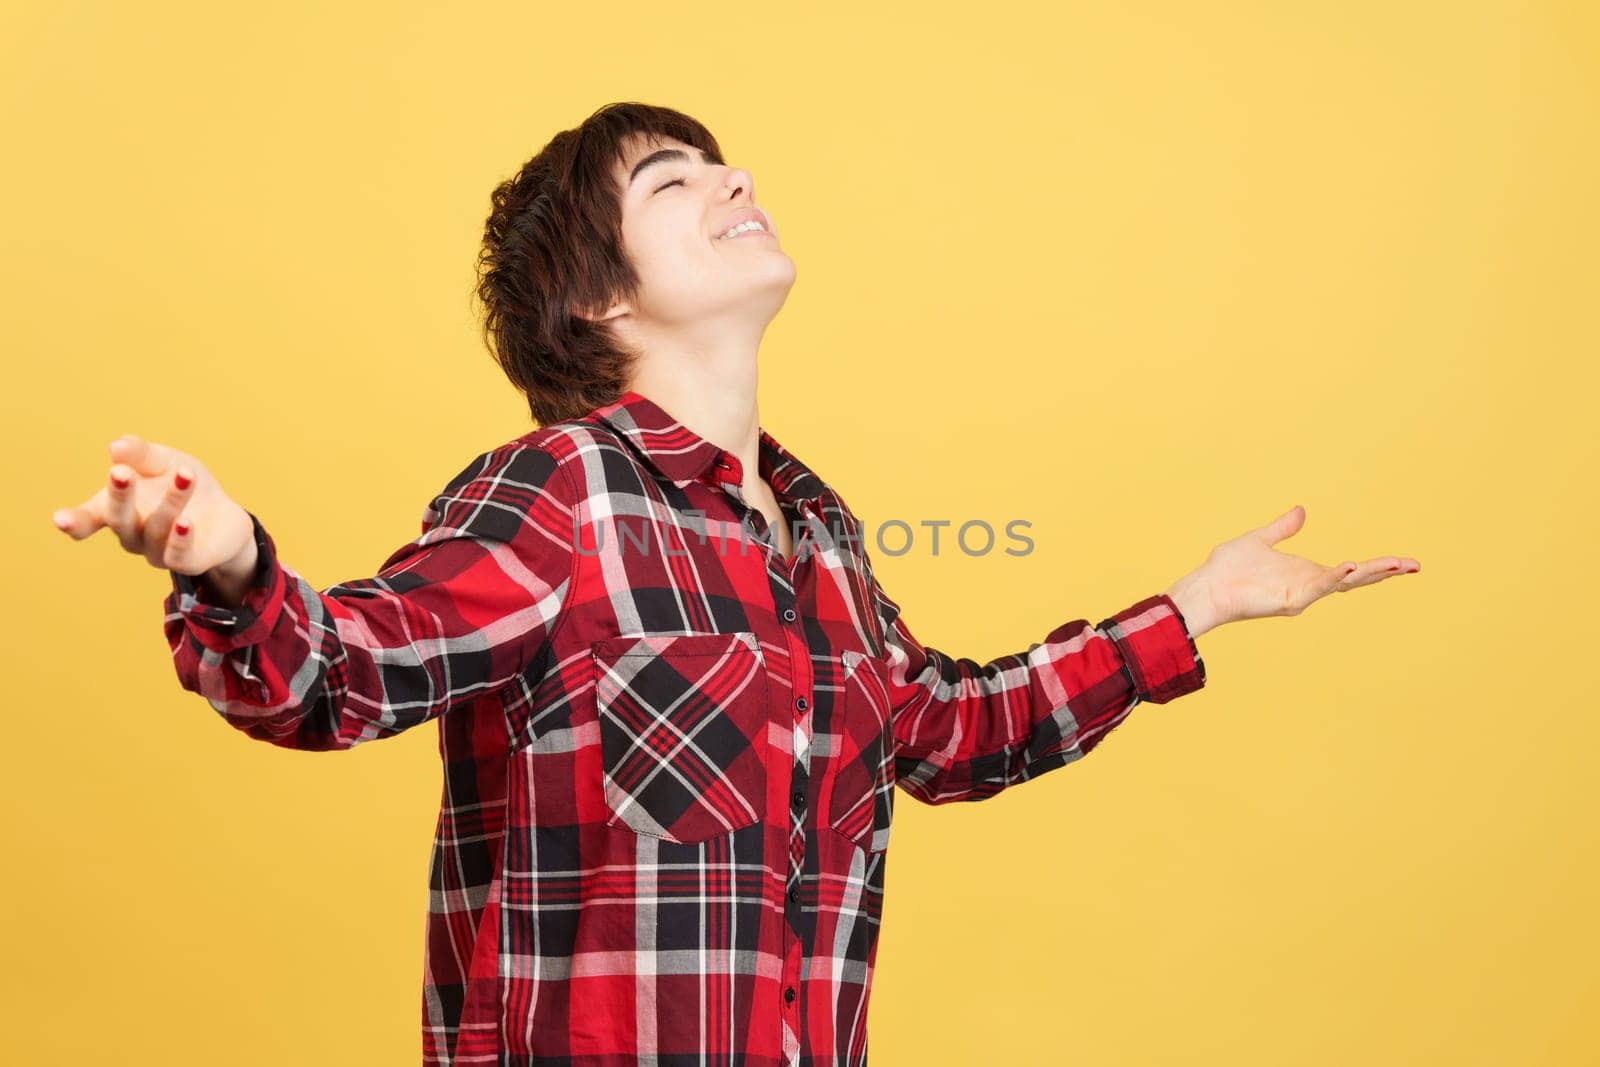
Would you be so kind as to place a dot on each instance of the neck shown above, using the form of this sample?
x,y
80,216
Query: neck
x,y
715,397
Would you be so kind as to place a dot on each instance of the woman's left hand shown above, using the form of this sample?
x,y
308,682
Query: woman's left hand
x,y
1246,578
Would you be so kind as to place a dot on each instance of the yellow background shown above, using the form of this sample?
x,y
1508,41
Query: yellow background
x,y
1144,275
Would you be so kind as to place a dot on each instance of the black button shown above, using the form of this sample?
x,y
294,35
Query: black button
x,y
799,800
801,703
789,615
794,894
788,994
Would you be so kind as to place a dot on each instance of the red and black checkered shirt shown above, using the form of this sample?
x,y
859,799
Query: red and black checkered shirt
x,y
669,752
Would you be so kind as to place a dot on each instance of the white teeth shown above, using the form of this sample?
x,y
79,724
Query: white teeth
x,y
741,228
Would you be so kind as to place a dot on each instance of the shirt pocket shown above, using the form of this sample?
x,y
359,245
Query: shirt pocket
x,y
683,732
861,801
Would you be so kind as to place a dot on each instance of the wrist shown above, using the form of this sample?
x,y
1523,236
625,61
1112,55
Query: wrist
x,y
1190,594
230,580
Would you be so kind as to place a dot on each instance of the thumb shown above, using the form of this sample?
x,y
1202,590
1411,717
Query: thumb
x,y
1285,525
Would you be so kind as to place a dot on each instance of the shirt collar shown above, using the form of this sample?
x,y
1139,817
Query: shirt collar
x,y
681,455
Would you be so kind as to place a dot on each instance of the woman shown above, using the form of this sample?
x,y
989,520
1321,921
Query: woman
x,y
673,700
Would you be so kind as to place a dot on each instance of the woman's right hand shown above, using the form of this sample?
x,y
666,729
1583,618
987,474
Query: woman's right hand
x,y
170,510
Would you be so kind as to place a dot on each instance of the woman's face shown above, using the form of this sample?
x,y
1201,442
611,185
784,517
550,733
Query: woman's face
x,y
675,206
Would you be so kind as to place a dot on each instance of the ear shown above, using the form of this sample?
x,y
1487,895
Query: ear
x,y
598,313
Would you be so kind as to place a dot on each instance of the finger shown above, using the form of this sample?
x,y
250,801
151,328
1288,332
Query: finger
x,y
180,488
1376,570
146,457
1284,525
179,545
1337,577
121,515
83,520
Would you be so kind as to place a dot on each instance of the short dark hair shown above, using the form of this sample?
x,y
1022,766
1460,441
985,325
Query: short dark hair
x,y
552,243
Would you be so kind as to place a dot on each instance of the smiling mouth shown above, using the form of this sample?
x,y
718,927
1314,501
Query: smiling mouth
x,y
756,223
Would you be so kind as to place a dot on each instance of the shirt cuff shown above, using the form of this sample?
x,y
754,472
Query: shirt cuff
x,y
224,629
1158,653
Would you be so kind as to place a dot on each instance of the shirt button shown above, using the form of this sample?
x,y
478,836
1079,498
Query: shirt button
x,y
801,704
788,994
794,894
788,615
799,800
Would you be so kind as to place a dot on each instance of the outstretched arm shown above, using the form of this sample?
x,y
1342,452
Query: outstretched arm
x,y
965,731
449,617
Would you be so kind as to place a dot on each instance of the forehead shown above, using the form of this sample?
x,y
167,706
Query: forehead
x,y
635,145
638,145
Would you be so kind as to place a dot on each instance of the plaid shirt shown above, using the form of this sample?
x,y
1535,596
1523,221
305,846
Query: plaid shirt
x,y
669,753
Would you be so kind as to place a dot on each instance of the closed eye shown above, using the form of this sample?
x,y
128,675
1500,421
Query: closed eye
x,y
675,181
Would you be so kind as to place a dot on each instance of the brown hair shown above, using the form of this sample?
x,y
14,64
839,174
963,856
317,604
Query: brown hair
x,y
552,243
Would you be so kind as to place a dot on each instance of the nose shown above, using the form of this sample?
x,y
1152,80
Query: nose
x,y
738,180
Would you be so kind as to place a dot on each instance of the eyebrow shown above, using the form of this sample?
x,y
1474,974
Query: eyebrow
x,y
664,155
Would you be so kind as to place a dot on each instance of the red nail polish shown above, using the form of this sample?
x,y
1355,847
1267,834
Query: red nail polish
x,y
1395,567
120,483
181,526
180,481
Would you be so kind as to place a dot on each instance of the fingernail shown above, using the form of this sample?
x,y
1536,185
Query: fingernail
x,y
60,519
1395,567
181,480
181,526
119,481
